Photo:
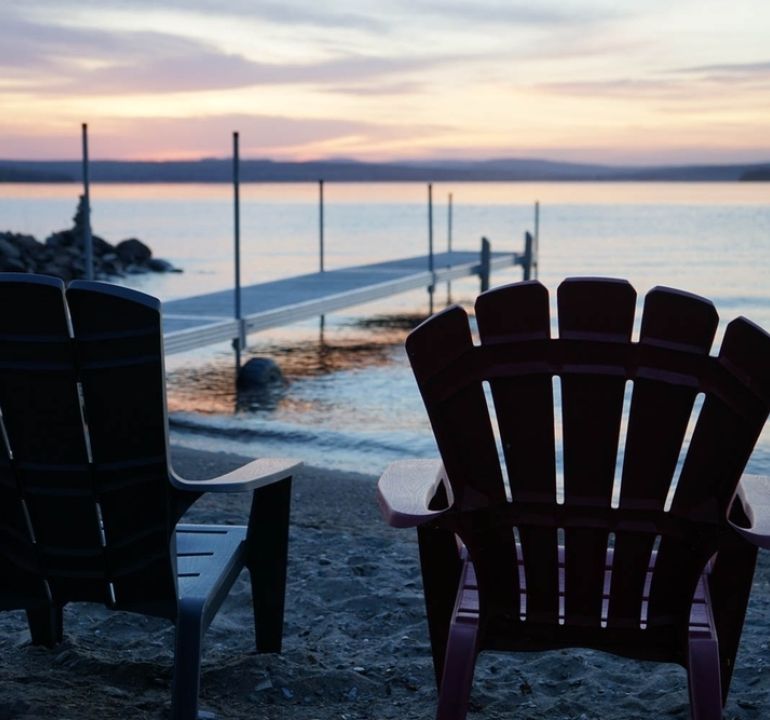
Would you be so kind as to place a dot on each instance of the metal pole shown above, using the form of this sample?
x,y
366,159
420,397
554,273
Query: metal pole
x,y
486,270
430,245
449,247
321,223
87,239
536,248
322,319
527,267
238,343
449,225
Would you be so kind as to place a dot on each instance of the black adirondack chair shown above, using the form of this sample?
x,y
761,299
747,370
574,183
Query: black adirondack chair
x,y
647,575
89,504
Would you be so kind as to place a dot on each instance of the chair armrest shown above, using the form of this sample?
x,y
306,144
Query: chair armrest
x,y
406,489
251,476
753,493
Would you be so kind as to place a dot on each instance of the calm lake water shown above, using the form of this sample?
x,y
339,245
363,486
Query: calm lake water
x,y
350,401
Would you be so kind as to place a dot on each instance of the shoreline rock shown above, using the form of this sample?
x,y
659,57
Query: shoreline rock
x,y
62,254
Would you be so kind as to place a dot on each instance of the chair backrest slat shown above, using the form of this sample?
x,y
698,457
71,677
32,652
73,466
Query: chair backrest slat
x,y
120,357
83,479
658,419
592,407
46,471
524,409
464,433
722,441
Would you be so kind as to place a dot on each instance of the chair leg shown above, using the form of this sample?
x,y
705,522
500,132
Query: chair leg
x,y
459,666
46,625
703,677
266,558
187,660
730,587
441,566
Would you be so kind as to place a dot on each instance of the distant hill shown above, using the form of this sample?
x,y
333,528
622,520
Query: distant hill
x,y
505,169
760,174
11,173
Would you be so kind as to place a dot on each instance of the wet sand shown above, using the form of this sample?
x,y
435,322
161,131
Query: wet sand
x,y
355,639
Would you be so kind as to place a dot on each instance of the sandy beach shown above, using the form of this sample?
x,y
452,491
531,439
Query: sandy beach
x,y
355,639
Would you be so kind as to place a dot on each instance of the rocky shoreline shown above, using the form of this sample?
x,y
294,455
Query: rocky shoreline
x,y
62,254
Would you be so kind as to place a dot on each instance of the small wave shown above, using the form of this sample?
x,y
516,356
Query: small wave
x,y
350,450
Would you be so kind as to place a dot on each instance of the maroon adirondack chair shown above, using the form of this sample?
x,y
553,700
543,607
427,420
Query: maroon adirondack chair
x,y
663,571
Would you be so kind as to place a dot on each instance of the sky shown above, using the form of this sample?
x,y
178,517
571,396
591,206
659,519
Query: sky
x,y
606,81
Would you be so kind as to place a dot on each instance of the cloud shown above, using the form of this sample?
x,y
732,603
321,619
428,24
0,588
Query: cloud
x,y
743,69
496,13
614,87
87,61
682,85
178,138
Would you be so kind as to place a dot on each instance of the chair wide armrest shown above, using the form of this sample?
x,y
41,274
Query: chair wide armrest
x,y
753,493
251,476
406,489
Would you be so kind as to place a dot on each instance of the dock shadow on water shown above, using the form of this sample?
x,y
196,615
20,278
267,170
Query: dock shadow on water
x,y
213,387
344,396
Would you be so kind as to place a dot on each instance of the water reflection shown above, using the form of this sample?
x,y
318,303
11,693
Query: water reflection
x,y
211,387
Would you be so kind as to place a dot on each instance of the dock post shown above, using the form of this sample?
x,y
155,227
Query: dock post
x,y
485,267
321,241
449,246
527,265
321,225
536,247
431,267
87,239
239,342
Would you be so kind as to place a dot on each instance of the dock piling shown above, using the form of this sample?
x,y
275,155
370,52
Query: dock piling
x,y
87,239
431,266
536,244
322,318
528,255
321,225
485,269
239,343
449,246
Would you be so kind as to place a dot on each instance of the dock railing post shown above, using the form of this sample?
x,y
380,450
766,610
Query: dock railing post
x,y
485,267
321,225
88,243
449,246
536,244
239,343
431,267
321,242
527,266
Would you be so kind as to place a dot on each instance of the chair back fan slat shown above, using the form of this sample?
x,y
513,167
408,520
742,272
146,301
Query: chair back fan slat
x,y
525,417
83,480
727,429
460,421
594,311
659,415
461,425
46,475
18,555
120,357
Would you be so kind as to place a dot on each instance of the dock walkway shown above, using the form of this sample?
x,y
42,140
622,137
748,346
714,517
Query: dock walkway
x,y
194,322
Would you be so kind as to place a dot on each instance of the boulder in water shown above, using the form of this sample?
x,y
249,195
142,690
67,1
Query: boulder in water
x,y
260,373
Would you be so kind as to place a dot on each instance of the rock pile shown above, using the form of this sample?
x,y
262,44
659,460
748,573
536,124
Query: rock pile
x,y
62,254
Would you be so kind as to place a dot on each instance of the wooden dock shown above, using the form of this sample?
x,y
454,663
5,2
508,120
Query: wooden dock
x,y
193,322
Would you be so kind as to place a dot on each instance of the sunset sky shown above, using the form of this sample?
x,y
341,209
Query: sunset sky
x,y
615,81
